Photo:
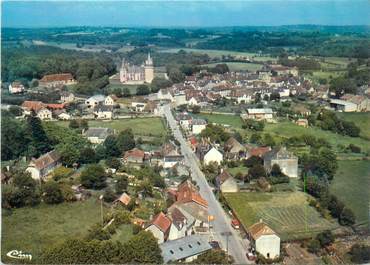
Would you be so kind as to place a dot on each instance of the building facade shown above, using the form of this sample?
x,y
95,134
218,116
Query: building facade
x,y
133,74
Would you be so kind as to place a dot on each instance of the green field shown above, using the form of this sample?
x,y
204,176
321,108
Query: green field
x,y
289,129
123,233
232,120
140,126
351,184
288,213
33,229
112,86
361,119
235,170
219,53
233,66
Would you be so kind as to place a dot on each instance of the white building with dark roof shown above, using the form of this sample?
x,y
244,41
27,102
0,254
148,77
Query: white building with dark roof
x,y
44,165
185,249
97,135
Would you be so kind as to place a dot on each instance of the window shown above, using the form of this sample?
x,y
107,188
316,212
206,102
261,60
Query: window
x,y
198,243
171,251
180,248
190,246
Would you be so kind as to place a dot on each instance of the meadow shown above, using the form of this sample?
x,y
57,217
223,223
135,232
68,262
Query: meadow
x,y
351,184
232,120
287,213
361,119
31,229
139,126
236,66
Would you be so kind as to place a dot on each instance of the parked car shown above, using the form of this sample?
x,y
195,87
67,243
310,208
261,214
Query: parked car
x,y
235,223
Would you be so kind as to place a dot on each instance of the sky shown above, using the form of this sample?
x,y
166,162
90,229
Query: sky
x,y
184,13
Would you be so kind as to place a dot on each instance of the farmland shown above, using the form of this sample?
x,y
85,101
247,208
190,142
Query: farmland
x,y
33,229
288,213
140,126
351,184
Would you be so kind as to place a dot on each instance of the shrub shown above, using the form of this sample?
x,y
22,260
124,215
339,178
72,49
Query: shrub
x,y
61,172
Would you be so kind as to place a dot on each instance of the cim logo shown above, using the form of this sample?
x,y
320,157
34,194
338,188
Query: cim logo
x,y
18,254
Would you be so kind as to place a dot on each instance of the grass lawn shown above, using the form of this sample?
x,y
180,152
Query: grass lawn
x,y
123,233
288,129
288,213
232,120
361,119
140,126
112,86
351,185
234,66
235,170
33,229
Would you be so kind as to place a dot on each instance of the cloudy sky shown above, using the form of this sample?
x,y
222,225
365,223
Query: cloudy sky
x,y
184,13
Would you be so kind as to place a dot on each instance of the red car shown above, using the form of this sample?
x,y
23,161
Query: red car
x,y
235,223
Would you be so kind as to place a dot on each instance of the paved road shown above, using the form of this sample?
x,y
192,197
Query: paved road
x,y
236,246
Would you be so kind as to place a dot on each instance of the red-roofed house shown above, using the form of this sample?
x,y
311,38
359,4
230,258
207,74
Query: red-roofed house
x,y
124,199
134,156
57,80
258,151
160,227
44,165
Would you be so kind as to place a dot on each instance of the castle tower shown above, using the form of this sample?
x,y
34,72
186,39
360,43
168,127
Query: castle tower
x,y
123,72
149,69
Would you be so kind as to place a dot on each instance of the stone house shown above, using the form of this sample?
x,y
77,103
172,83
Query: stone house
x,y
233,149
67,97
44,165
97,135
258,114
44,114
198,125
94,101
54,80
160,227
104,112
286,160
134,156
225,182
16,87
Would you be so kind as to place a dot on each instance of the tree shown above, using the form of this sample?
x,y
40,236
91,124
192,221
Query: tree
x,y
313,246
195,109
252,161
126,140
325,238
69,154
61,172
87,155
142,90
93,177
347,217
143,248
111,146
126,92
73,124
109,195
113,162
360,254
327,162
213,256
52,194
255,138
335,206
121,184
257,171
40,143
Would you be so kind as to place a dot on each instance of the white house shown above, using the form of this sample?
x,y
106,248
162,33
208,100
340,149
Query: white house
x,y
198,125
64,116
103,112
160,227
193,101
342,105
94,101
44,114
258,114
265,241
180,99
44,165
97,135
185,120
16,87
67,97
110,100
213,155
226,183
164,94
138,106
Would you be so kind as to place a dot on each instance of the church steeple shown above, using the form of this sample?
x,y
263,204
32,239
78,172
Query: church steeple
x,y
149,61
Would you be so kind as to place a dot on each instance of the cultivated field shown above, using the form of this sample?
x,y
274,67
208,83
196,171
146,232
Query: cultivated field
x,y
140,126
351,185
33,229
288,213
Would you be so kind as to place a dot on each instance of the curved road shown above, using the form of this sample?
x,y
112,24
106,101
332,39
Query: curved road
x,y
222,223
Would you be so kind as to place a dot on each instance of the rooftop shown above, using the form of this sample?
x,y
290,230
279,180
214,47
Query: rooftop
x,y
184,247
